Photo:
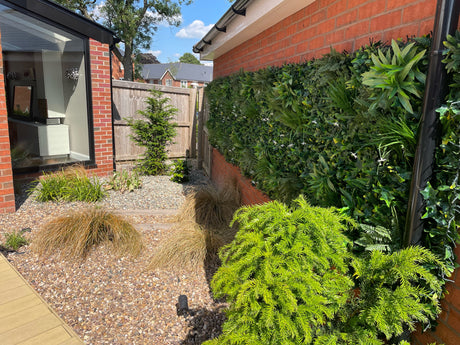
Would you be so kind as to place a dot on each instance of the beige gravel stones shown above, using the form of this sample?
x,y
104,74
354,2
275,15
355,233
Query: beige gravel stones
x,y
109,300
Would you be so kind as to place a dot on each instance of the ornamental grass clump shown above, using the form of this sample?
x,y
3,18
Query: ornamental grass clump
x,y
69,184
187,246
211,207
75,234
203,226
291,277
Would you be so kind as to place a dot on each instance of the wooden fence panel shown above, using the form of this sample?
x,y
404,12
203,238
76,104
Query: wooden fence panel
x,y
130,97
204,148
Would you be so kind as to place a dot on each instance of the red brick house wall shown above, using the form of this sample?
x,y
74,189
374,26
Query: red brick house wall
x,y
6,174
102,107
117,68
223,172
168,75
340,24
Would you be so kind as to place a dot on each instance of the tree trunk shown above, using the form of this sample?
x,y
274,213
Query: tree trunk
x,y
128,63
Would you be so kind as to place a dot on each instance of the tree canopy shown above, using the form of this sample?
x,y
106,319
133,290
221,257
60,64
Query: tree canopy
x,y
189,58
134,22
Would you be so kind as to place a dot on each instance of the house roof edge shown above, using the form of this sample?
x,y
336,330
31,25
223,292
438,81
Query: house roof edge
x,y
244,20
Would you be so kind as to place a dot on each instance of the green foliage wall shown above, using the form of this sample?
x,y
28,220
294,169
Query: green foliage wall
x,y
341,130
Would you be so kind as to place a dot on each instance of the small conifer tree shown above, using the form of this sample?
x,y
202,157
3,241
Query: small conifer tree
x,y
154,133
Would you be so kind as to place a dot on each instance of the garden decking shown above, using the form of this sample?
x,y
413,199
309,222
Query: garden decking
x,y
25,318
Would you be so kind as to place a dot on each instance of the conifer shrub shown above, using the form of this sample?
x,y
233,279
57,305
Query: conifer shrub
x,y
291,276
154,132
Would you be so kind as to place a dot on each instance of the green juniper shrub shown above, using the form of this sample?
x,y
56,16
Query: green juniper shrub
x,y
180,171
290,276
154,132
69,184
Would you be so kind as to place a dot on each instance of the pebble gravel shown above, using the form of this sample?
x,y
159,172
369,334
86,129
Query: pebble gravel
x,y
110,300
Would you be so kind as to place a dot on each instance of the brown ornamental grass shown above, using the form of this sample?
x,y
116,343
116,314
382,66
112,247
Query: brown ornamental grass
x,y
75,234
203,226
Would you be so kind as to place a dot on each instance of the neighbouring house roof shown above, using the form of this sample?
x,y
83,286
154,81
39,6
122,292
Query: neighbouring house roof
x,y
244,20
179,71
66,18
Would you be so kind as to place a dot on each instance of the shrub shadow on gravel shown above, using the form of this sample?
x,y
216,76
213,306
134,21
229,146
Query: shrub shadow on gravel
x,y
204,325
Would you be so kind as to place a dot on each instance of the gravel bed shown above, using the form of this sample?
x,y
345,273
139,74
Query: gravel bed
x,y
109,300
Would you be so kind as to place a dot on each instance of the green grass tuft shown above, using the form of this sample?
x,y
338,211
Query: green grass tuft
x,y
70,184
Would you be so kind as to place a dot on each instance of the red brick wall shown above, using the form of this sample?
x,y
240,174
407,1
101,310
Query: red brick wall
x,y
223,172
341,24
6,173
117,68
102,107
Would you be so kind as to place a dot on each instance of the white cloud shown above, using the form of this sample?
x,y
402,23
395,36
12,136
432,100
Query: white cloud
x,y
156,53
195,30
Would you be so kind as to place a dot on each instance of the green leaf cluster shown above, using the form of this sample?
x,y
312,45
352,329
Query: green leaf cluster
x,y
154,132
180,171
290,277
396,76
124,181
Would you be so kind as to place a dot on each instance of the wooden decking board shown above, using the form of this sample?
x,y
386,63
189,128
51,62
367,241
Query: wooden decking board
x,y
15,320
25,318
9,281
29,330
54,336
19,304
72,341
3,266
12,294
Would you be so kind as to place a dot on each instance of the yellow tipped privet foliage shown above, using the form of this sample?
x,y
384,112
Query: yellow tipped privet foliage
x,y
290,277
203,227
75,234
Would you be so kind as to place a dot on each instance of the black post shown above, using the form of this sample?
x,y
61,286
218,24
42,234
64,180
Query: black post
x,y
446,21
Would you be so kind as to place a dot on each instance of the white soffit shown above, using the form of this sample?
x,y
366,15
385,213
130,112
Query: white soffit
x,y
260,15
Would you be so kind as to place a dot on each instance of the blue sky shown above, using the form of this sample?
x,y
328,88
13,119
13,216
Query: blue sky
x,y
169,43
